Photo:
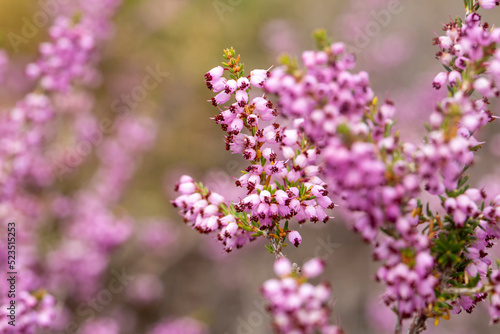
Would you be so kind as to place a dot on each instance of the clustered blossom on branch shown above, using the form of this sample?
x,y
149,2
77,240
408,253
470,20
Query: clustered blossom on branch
x,y
35,310
66,58
365,165
281,182
296,305
88,226
379,177
339,141
494,309
282,177
434,263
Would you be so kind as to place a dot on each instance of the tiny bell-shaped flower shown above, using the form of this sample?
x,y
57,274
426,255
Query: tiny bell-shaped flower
x,y
488,4
445,42
258,77
215,199
440,80
231,229
220,98
454,77
230,87
186,188
313,268
217,85
242,98
185,178
310,212
214,74
483,86
282,267
295,238
243,83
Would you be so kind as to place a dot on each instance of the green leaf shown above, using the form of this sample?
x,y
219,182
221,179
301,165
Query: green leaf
x,y
245,227
429,213
447,68
462,181
322,40
475,148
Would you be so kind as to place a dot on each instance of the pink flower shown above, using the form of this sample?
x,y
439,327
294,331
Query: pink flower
x,y
220,98
484,87
214,74
440,80
454,77
295,238
282,267
313,268
488,4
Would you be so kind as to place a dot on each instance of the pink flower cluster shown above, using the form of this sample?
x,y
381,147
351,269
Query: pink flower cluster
x,y
90,226
338,115
409,279
377,176
24,134
448,148
282,177
203,211
336,121
31,312
296,305
86,225
71,55
66,58
494,308
364,163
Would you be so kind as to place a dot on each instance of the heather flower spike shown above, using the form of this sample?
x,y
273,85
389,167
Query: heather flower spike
x,y
281,178
298,306
73,265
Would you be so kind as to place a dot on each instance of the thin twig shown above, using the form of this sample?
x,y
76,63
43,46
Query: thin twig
x,y
469,291
399,326
277,246
418,324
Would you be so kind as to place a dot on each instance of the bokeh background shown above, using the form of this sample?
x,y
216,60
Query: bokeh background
x,y
184,274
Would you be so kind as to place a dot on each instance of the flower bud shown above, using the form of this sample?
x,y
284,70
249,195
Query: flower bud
x,y
186,188
214,74
488,4
282,267
243,83
440,80
313,268
220,98
295,238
